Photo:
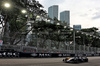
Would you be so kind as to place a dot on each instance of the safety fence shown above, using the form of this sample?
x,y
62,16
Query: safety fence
x,y
81,49
28,51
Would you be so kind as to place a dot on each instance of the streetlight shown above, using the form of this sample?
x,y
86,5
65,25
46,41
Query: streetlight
x,y
7,5
65,26
24,11
37,17
48,20
58,23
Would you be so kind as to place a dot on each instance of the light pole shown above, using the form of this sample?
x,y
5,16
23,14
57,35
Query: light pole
x,y
84,44
66,41
37,42
37,33
50,42
58,31
74,40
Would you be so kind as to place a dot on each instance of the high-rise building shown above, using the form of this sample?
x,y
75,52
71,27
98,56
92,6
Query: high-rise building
x,y
53,11
77,27
65,17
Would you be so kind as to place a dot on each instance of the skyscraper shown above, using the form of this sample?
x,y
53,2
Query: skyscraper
x,y
65,17
53,11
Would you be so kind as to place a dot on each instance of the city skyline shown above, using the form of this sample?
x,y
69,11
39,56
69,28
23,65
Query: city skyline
x,y
86,13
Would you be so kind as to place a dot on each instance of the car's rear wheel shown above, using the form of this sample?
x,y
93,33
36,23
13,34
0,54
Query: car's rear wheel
x,y
86,60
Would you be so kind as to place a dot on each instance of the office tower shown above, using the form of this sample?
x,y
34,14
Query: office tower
x,y
53,11
77,27
65,17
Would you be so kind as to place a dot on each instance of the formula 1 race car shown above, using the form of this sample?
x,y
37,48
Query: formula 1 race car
x,y
76,59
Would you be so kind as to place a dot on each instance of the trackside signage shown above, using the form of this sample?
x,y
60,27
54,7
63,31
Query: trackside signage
x,y
9,54
1,42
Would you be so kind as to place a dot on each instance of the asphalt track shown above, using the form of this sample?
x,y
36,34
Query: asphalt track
x,y
93,61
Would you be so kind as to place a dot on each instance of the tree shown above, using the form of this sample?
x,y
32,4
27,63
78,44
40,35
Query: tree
x,y
16,20
87,39
11,17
